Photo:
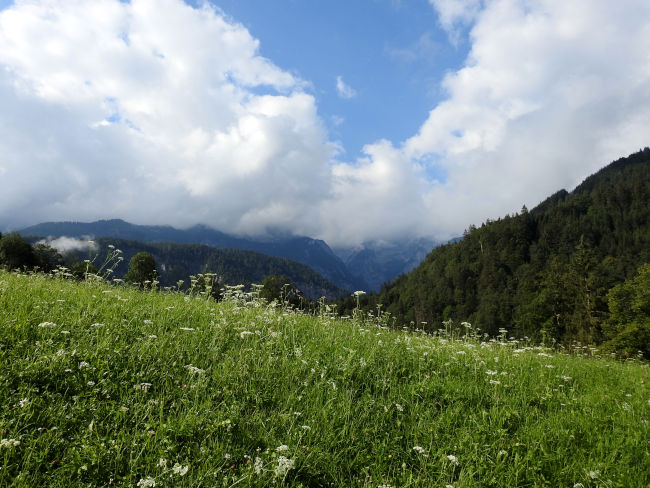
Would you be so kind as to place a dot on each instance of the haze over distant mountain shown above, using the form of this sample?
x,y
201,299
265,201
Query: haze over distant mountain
x,y
380,262
312,252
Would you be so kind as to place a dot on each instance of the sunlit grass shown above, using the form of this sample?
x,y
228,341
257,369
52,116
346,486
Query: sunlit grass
x,y
109,386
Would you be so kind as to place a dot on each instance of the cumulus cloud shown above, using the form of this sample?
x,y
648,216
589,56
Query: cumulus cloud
x,y
68,244
344,90
155,111
161,113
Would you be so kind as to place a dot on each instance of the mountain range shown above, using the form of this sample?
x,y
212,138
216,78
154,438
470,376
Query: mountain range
x,y
365,267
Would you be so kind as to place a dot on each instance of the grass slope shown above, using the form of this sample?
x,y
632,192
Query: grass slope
x,y
105,386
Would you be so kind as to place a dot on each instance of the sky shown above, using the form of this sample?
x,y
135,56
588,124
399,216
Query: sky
x,y
350,121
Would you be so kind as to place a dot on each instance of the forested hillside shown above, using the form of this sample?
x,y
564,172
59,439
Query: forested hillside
x,y
548,273
311,252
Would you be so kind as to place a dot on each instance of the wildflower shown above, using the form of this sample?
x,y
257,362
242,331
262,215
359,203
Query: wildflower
x,y
245,333
491,373
578,485
418,449
23,403
495,382
399,407
282,448
180,470
8,443
550,366
91,383
148,322
146,482
47,324
257,465
194,369
83,364
283,467
306,428
593,474
65,332
453,459
188,328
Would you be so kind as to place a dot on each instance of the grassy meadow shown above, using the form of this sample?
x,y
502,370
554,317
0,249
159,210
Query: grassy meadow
x,y
109,386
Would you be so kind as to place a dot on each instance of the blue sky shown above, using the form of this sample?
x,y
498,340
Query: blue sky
x,y
392,54
351,121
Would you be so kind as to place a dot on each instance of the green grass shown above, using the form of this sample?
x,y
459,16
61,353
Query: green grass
x,y
108,386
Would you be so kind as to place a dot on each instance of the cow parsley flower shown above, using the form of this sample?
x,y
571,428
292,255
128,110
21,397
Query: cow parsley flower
x,y
283,467
8,443
180,470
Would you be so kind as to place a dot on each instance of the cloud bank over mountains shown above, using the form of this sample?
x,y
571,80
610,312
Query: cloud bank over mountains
x,y
161,113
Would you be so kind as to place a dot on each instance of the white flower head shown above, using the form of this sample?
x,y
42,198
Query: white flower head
x,y
282,448
146,482
9,443
418,449
180,470
453,459
283,467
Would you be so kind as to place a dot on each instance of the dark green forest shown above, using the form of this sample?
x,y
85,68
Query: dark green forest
x,y
173,262
548,274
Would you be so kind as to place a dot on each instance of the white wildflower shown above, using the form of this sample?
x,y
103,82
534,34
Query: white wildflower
x,y
91,383
188,328
162,463
180,470
490,372
418,449
83,364
47,324
282,448
306,428
23,403
550,366
578,485
65,332
495,382
9,443
593,474
148,322
194,369
453,459
245,333
257,465
146,482
283,467
399,407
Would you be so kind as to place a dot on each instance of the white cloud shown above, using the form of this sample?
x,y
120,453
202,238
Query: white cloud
x,y
343,90
154,111
67,244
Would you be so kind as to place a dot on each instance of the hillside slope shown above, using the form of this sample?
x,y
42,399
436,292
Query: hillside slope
x,y
176,262
109,386
543,273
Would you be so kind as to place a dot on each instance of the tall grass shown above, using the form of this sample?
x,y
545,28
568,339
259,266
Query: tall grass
x,y
109,386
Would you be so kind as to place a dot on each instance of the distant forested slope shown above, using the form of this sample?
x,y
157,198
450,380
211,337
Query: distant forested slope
x,y
176,262
544,273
